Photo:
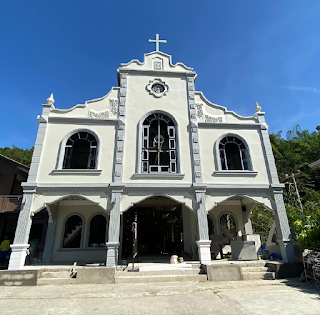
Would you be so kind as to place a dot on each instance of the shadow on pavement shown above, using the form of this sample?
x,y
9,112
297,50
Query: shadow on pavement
x,y
306,287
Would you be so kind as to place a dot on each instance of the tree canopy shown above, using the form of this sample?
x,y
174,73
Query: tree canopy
x,y
22,156
293,156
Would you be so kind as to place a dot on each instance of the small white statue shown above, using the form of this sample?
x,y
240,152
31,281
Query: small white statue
x,y
50,100
258,108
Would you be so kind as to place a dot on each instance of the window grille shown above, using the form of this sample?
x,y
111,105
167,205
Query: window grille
x,y
158,145
80,151
233,154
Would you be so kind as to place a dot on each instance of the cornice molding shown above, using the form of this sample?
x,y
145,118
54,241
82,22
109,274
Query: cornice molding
x,y
225,125
157,176
235,173
76,172
83,120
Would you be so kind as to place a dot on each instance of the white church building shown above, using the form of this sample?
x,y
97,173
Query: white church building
x,y
154,147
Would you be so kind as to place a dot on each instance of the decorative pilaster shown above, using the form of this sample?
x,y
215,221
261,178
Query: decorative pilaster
x,y
20,244
120,134
114,230
280,215
194,137
43,122
49,241
202,219
284,237
267,148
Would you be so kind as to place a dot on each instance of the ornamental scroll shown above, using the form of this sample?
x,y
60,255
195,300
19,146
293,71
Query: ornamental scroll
x,y
100,115
207,118
106,113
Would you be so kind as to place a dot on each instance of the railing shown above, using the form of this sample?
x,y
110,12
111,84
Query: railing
x,y
10,203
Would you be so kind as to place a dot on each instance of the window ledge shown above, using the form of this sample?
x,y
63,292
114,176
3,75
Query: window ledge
x,y
76,172
81,249
233,173
158,176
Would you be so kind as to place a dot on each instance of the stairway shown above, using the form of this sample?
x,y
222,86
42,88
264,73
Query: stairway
x,y
162,274
56,276
72,234
256,271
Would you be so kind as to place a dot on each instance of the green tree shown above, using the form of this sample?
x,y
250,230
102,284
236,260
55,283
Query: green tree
x,y
293,155
22,156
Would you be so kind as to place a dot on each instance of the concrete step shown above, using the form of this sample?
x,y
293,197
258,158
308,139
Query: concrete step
x,y
54,274
258,275
255,263
56,281
161,278
185,272
254,269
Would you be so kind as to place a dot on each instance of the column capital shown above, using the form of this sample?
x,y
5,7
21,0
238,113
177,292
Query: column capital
x,y
200,191
117,187
277,187
199,186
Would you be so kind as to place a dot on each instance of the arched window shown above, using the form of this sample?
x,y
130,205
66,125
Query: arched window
x,y
233,154
159,154
98,229
228,226
80,151
72,232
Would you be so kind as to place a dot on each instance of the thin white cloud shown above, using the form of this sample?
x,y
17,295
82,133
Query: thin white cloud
x,y
303,88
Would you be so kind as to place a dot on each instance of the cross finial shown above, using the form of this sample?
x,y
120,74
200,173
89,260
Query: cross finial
x,y
157,41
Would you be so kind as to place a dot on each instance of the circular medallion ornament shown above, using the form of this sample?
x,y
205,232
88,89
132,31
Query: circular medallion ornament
x,y
157,88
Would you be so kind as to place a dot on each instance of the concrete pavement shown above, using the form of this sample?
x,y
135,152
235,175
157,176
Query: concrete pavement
x,y
236,297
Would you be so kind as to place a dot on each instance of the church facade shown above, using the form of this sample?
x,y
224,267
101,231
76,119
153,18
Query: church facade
x,y
155,148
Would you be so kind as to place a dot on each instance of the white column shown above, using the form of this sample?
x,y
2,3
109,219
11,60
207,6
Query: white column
x,y
280,215
49,241
114,230
284,237
203,243
20,244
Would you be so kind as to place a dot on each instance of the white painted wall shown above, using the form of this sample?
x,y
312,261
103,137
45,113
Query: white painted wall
x,y
209,139
139,103
84,253
50,154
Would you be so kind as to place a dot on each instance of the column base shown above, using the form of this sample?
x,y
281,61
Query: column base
x,y
287,250
18,256
204,250
112,254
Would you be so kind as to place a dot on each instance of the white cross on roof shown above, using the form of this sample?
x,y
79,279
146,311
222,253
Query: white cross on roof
x,y
157,41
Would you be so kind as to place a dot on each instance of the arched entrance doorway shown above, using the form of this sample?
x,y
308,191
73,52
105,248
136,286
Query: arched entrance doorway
x,y
160,229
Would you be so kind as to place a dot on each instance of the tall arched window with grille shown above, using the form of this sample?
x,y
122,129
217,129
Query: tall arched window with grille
x,y
233,154
159,153
80,151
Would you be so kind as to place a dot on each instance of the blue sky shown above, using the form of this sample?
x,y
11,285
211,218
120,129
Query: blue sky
x,y
243,51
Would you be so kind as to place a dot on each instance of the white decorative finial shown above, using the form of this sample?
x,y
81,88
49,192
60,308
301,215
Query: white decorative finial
x,y
258,108
157,41
50,100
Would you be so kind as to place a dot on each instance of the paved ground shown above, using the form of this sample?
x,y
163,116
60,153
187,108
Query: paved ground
x,y
240,297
